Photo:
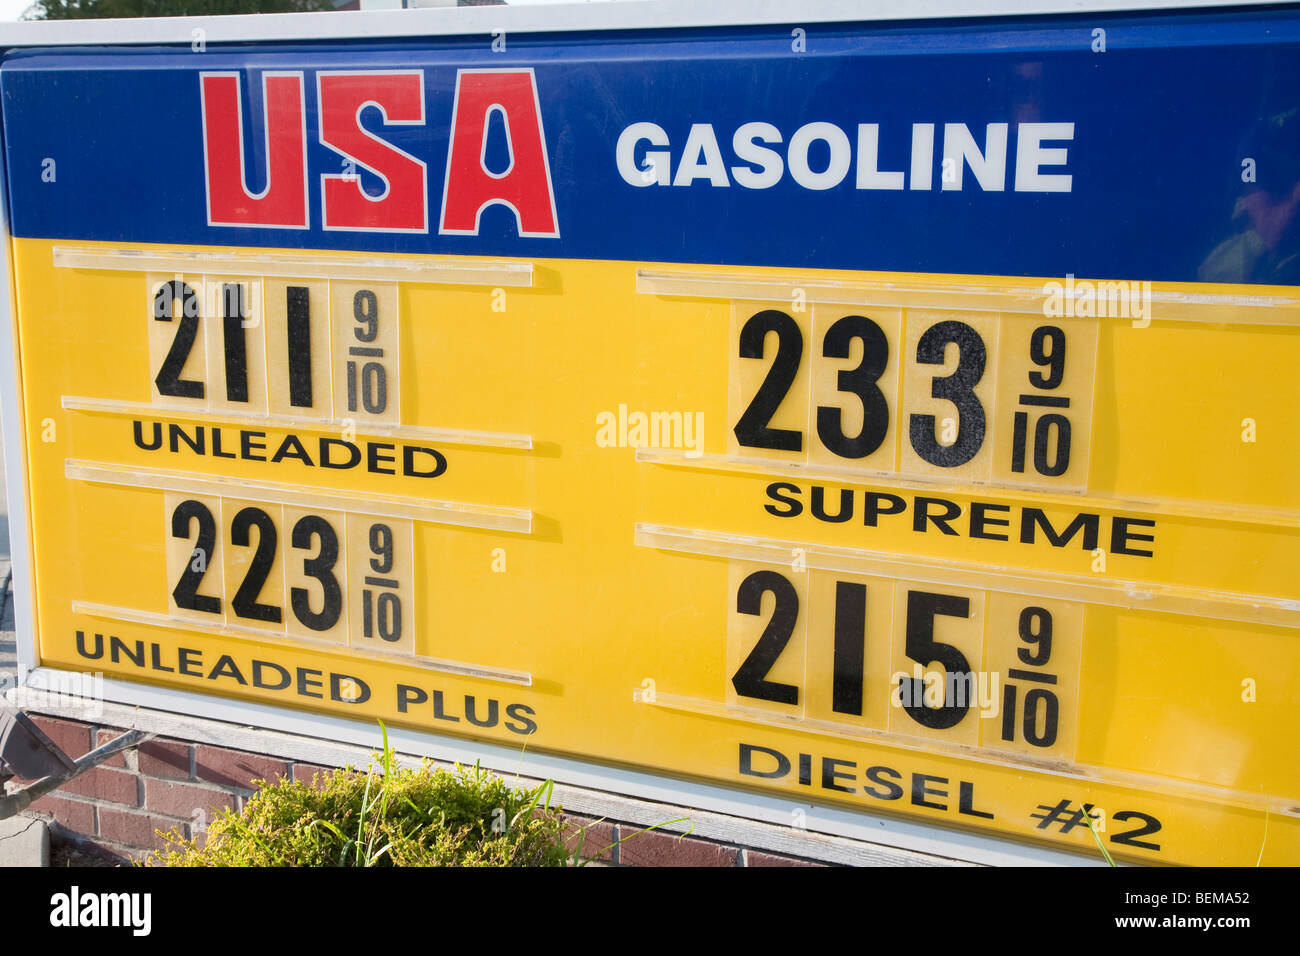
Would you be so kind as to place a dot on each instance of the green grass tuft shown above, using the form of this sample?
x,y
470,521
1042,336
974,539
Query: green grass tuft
x,y
388,816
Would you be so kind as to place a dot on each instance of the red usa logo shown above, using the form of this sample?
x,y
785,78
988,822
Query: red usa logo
x,y
469,186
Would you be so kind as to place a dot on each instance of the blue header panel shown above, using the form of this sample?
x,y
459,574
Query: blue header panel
x,y
1140,147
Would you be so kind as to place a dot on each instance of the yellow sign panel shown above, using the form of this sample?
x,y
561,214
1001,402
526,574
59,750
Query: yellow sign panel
x,y
981,566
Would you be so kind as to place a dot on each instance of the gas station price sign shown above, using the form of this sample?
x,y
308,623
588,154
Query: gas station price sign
x,y
895,426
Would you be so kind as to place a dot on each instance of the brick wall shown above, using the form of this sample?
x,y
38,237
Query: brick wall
x,y
167,784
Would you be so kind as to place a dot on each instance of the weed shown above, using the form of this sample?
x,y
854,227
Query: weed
x,y
577,859
389,816
1097,836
